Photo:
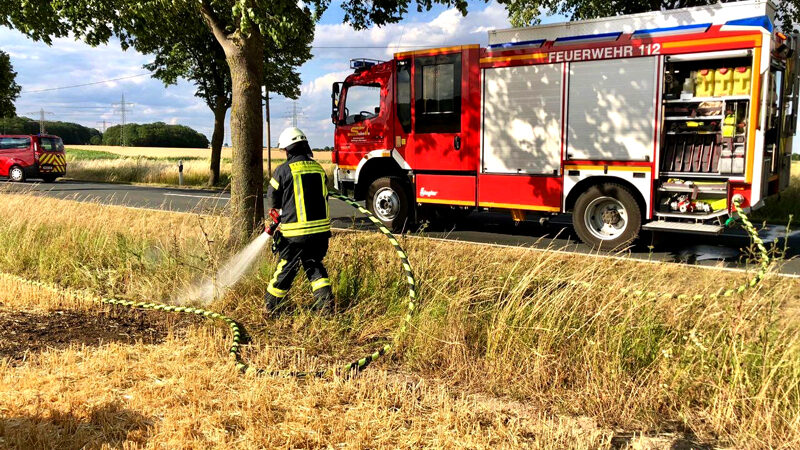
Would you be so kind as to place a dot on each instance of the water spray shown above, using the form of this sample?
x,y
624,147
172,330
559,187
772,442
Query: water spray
x,y
231,271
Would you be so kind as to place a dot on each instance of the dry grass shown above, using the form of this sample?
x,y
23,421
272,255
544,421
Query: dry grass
x,y
497,354
139,170
161,152
181,394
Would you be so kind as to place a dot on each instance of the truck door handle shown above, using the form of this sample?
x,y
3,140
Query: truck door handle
x,y
457,142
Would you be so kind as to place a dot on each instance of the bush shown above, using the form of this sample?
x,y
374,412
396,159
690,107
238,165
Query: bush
x,y
157,134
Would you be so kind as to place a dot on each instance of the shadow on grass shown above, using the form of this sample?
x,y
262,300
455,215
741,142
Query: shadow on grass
x,y
677,441
100,426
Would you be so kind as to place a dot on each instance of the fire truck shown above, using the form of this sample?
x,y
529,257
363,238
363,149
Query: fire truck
x,y
652,121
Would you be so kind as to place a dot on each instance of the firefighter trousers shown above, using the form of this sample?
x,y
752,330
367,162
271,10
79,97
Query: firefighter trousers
x,y
308,253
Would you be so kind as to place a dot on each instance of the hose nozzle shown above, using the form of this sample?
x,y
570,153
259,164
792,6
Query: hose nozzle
x,y
272,225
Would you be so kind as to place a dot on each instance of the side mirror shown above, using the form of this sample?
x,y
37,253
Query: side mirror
x,y
335,102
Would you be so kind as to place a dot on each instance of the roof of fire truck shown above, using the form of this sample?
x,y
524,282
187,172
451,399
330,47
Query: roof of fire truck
x,y
732,16
743,15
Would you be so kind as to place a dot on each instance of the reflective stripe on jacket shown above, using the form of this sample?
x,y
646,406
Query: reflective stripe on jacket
x,y
298,188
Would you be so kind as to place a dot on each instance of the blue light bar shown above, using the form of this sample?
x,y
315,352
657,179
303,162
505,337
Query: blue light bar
x,y
670,31
758,21
363,63
521,44
586,38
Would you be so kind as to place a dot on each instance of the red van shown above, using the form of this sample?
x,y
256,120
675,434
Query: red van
x,y
32,156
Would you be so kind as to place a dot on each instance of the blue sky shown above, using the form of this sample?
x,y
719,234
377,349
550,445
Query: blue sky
x,y
69,62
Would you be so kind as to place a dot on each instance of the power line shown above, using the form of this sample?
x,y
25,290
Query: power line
x,y
56,105
94,83
85,84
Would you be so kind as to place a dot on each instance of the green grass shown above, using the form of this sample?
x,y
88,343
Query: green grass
x,y
74,154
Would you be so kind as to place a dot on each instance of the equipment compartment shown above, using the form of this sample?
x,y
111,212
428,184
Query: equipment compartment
x,y
700,199
706,108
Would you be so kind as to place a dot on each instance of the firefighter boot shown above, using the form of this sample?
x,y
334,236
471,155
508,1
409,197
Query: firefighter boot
x,y
274,305
323,300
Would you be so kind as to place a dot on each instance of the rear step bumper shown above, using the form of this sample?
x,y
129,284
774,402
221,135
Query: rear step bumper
x,y
661,225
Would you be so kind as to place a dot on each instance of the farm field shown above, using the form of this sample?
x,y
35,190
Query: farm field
x,y
178,153
153,166
500,352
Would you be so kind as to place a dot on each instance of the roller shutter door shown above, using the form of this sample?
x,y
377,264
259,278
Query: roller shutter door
x,y
522,119
612,109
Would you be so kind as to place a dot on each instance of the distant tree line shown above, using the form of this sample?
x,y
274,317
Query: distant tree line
x,y
157,134
70,133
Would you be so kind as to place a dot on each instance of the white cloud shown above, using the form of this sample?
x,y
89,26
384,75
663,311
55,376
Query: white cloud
x,y
334,47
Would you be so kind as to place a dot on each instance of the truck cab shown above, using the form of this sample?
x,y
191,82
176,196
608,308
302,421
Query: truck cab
x,y
417,111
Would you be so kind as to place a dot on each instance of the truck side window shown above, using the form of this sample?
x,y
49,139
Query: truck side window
x,y
362,102
437,82
404,94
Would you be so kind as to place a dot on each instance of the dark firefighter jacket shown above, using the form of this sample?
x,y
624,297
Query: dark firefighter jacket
x,y
298,189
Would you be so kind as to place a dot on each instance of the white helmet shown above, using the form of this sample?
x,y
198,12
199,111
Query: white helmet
x,y
291,135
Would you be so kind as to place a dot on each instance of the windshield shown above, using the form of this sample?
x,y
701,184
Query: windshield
x,y
362,102
52,144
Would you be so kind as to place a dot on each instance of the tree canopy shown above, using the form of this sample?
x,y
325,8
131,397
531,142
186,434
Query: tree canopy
x,y
9,89
157,134
70,133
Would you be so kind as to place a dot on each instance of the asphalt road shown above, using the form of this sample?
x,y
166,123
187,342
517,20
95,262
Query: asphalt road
x,y
723,251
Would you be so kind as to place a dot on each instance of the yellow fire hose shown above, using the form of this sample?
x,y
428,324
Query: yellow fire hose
x,y
238,331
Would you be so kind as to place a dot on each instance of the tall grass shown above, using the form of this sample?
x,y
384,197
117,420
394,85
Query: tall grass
x,y
490,321
141,170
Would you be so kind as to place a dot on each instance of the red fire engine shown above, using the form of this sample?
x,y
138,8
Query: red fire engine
x,y
649,121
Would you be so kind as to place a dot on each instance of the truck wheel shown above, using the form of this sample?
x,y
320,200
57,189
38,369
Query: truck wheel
x,y
607,216
16,174
387,199
48,178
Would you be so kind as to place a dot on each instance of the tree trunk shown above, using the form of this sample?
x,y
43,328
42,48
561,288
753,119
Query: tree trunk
x,y
216,141
245,59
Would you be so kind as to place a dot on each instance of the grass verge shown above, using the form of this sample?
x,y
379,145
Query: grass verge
x,y
490,326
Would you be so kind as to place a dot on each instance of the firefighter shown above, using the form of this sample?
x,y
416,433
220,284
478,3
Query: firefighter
x,y
299,191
